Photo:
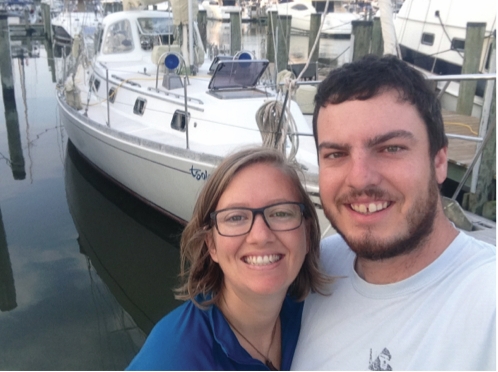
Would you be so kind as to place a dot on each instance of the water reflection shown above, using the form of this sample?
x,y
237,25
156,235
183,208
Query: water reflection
x,y
132,247
7,288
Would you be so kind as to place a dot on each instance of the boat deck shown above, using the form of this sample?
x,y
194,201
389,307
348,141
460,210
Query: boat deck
x,y
461,152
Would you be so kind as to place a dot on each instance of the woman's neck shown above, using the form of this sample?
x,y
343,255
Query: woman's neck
x,y
255,322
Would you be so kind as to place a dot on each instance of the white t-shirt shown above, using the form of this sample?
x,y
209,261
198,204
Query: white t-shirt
x,y
442,318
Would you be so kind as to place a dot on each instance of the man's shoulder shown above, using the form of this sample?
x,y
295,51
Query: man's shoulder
x,y
335,255
475,252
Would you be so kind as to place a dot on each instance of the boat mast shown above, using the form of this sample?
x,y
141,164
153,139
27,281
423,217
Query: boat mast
x,y
191,36
388,30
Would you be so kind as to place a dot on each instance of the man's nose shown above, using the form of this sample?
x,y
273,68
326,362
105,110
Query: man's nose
x,y
363,171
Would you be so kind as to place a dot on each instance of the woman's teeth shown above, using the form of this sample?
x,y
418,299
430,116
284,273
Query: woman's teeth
x,y
262,260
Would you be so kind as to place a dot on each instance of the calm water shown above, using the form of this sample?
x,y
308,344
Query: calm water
x,y
86,270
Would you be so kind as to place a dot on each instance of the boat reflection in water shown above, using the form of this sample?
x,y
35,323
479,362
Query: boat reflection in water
x,y
132,247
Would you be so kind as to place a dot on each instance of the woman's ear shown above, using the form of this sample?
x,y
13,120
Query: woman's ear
x,y
211,246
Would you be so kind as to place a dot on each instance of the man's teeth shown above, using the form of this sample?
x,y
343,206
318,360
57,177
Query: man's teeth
x,y
262,260
369,208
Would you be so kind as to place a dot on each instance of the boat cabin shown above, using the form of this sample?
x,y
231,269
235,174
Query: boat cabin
x,y
131,35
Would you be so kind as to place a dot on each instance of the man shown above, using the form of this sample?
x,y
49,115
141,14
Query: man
x,y
412,292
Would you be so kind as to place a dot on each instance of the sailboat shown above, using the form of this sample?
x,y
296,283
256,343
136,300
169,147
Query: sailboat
x,y
154,116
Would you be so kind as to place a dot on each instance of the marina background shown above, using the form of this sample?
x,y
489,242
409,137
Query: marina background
x,y
85,268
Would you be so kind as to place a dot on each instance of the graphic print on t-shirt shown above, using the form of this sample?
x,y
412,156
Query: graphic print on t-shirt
x,y
381,363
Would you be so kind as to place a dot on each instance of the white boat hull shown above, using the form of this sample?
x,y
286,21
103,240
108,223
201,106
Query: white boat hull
x,y
168,182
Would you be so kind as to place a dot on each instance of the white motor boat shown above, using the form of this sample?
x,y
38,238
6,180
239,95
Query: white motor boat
x,y
336,24
219,10
66,25
137,117
431,36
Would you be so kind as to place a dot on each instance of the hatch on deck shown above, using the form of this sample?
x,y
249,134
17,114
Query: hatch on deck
x,y
237,79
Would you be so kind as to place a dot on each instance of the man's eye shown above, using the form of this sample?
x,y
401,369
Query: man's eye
x,y
334,155
393,148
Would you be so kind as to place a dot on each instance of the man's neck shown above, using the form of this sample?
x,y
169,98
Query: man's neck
x,y
401,267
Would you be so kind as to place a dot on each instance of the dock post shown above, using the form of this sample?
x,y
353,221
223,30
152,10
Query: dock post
x,y
47,21
271,36
377,39
235,32
202,23
485,170
9,100
474,40
315,21
283,41
361,34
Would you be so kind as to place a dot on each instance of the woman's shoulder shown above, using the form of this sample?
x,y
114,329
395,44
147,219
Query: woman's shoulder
x,y
177,341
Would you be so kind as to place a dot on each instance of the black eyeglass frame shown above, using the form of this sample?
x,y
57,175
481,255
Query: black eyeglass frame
x,y
255,212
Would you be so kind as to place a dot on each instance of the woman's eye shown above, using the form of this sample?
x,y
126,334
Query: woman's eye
x,y
235,218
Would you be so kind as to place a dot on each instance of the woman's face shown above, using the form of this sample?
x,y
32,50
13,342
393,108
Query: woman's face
x,y
263,261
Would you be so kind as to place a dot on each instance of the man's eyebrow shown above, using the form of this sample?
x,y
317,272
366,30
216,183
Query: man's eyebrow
x,y
388,136
333,145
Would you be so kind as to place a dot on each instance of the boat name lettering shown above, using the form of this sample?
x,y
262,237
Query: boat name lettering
x,y
198,174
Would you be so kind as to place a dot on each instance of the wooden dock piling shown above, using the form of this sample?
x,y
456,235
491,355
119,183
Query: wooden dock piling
x,y
271,36
377,39
474,41
235,32
362,35
47,24
202,24
283,41
315,21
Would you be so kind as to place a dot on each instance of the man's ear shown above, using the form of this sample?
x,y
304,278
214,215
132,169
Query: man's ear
x,y
441,165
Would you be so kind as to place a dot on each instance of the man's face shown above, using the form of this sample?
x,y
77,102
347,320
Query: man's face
x,y
378,185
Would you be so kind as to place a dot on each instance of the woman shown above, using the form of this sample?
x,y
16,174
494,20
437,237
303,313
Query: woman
x,y
249,257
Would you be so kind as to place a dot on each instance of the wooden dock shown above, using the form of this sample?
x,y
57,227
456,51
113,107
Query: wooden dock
x,y
460,152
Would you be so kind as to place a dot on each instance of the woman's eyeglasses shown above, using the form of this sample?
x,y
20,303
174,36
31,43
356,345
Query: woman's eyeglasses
x,y
278,217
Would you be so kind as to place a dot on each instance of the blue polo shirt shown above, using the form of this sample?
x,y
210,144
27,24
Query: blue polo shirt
x,y
189,338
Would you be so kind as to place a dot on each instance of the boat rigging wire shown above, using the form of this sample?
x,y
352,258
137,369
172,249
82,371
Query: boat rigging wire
x,y
438,16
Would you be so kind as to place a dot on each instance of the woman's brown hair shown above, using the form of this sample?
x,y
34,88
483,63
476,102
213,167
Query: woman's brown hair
x,y
199,273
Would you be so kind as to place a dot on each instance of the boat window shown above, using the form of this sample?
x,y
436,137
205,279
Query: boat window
x,y
299,7
118,38
458,44
427,39
178,122
139,107
112,94
155,31
96,85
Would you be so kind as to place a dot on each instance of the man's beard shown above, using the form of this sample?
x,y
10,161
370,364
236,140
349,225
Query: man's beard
x,y
420,223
